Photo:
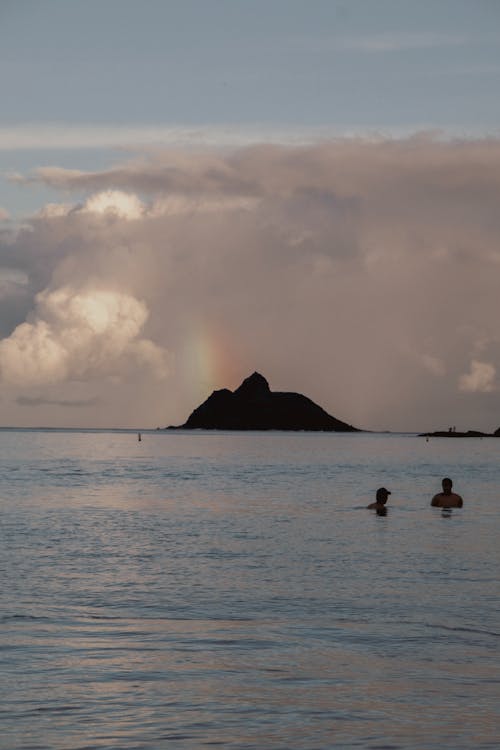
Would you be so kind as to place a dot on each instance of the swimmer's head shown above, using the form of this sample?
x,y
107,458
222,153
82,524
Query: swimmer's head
x,y
382,495
447,484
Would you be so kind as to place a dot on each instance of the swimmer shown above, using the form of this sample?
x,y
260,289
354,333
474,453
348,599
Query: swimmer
x,y
447,498
380,501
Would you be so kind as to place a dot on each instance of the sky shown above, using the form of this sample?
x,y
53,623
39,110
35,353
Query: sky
x,y
193,191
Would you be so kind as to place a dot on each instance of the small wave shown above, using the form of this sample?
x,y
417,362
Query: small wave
x,y
56,709
21,618
458,629
104,617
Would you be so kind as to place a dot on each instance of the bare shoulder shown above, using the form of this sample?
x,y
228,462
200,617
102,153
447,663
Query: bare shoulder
x,y
447,501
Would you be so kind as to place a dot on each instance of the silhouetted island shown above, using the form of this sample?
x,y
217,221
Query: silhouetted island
x,y
253,406
454,434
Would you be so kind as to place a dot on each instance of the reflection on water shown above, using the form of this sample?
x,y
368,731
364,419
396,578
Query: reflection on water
x,y
233,590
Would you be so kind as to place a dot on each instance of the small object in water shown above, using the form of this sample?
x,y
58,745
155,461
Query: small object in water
x,y
139,436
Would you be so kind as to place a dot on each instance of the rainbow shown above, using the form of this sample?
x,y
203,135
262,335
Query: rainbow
x,y
207,361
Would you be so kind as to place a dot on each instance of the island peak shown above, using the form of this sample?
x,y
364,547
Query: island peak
x,y
254,386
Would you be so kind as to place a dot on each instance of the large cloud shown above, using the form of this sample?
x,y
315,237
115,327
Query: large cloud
x,y
421,166
78,334
363,273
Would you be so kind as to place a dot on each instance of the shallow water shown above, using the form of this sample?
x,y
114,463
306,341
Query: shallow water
x,y
232,590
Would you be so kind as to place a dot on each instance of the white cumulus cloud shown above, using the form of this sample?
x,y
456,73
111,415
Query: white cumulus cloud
x,y
78,334
54,211
115,203
480,379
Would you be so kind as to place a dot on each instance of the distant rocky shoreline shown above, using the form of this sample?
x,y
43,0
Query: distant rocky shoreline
x,y
253,406
454,434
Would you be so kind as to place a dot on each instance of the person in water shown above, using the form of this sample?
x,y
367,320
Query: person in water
x,y
380,501
447,498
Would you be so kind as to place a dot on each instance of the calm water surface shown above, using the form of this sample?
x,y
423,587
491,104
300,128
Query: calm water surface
x,y
232,590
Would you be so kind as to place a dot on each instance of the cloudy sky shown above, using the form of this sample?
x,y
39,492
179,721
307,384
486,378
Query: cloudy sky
x,y
193,191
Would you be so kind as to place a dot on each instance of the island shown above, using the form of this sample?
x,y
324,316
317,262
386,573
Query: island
x,y
455,434
253,406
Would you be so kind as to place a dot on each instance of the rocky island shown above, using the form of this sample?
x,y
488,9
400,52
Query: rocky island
x,y
455,434
253,406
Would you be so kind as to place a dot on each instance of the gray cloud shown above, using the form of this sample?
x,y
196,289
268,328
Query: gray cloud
x,y
398,41
64,403
68,135
347,166
360,272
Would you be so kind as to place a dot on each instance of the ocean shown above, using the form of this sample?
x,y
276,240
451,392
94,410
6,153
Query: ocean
x,y
204,589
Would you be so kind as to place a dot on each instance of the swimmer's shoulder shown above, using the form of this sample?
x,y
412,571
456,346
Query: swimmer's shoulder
x,y
447,501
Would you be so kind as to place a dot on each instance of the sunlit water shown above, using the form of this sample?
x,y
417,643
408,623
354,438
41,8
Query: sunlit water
x,y
232,590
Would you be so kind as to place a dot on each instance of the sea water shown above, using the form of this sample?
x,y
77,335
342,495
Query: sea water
x,y
231,590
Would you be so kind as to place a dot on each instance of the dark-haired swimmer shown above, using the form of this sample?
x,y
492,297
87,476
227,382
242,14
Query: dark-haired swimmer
x,y
380,501
447,498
